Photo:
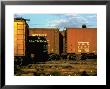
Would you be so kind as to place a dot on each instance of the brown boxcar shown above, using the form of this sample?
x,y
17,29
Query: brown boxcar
x,y
21,33
81,40
52,36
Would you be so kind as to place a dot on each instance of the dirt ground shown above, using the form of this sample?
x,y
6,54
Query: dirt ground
x,y
59,68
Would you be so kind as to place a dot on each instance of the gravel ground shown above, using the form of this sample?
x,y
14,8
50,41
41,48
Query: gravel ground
x,y
59,68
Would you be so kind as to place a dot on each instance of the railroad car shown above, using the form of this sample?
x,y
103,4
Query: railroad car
x,y
81,41
21,32
52,37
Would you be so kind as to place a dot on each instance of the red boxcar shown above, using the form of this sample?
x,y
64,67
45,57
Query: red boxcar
x,y
52,35
81,40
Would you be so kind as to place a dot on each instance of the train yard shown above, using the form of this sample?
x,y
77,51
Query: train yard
x,y
50,52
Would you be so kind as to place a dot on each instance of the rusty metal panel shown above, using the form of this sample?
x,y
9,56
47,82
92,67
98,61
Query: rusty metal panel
x,y
20,46
20,32
81,40
20,41
20,37
21,52
52,36
20,25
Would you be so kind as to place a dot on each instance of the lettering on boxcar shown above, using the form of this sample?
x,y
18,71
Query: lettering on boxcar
x,y
83,47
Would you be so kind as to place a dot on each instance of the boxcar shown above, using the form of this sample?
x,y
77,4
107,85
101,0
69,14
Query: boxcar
x,y
21,32
52,36
81,41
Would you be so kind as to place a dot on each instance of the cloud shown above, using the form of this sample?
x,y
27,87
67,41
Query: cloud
x,y
74,20
60,21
